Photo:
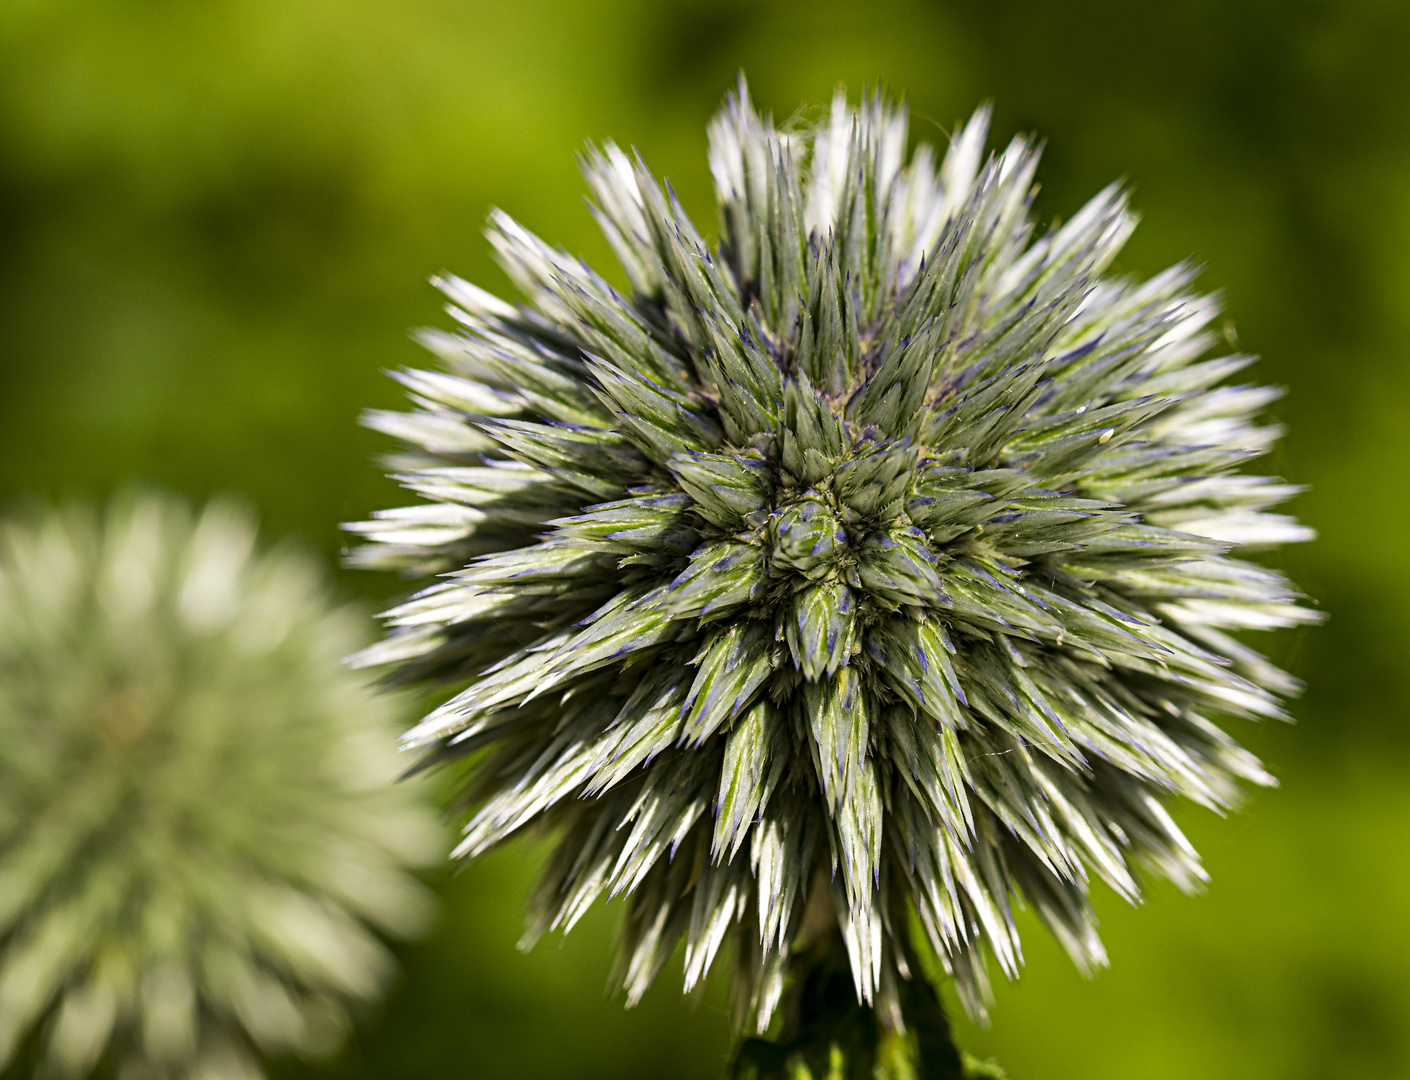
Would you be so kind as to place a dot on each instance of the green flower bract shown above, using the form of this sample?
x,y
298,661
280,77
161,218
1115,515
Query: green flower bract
x,y
875,561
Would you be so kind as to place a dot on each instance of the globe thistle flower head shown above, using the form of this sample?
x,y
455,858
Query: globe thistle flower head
x,y
197,832
878,560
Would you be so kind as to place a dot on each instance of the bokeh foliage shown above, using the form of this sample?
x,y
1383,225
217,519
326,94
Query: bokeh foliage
x,y
216,221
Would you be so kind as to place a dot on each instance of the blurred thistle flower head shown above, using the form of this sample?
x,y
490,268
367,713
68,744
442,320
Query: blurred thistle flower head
x,y
197,824
880,560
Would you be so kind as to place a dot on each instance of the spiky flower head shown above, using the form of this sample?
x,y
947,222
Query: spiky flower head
x,y
876,559
196,820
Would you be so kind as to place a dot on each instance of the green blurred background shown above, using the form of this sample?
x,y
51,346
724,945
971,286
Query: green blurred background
x,y
216,221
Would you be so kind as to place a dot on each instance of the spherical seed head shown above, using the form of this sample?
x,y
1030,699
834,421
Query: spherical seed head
x,y
196,820
878,559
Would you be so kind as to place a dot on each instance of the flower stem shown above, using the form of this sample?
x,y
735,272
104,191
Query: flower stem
x,y
827,1034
